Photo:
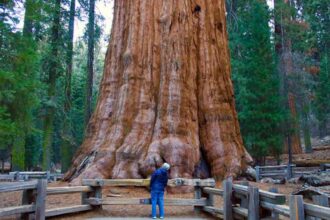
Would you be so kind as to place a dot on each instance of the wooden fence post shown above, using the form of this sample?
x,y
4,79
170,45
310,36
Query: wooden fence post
x,y
257,173
41,199
245,200
227,203
289,172
275,216
96,193
297,207
253,213
210,200
84,196
321,200
27,198
198,195
48,175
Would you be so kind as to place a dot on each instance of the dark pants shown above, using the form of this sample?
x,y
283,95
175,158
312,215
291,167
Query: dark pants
x,y
157,198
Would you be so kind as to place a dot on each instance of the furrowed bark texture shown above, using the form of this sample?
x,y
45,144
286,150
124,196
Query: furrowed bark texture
x,y
165,96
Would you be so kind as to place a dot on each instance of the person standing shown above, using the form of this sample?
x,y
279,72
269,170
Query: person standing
x,y
158,183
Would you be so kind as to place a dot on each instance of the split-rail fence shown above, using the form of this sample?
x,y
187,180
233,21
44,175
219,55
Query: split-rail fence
x,y
239,201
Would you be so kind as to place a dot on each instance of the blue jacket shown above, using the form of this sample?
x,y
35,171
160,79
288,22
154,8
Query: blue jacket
x,y
159,180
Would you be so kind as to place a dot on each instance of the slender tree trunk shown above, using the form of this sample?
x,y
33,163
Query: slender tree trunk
x,y
3,166
284,53
231,8
37,22
306,131
18,151
166,95
51,93
90,61
28,20
67,139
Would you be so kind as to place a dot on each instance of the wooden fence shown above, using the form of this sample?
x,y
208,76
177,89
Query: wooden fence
x,y
239,201
34,199
28,175
36,192
284,171
97,200
248,202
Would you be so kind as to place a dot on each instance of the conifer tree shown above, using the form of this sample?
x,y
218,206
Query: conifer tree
x,y
53,68
18,81
67,139
255,81
316,13
90,61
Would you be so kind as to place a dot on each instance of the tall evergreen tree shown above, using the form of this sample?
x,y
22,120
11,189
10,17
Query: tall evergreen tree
x,y
256,85
18,81
53,73
284,17
67,139
90,61
317,14
323,95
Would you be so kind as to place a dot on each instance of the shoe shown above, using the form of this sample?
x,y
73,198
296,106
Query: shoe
x,y
154,217
161,217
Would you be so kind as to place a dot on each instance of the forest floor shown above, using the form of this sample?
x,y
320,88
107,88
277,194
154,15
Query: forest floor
x,y
319,155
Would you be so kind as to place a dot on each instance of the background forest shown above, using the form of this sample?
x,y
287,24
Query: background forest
x,y
49,81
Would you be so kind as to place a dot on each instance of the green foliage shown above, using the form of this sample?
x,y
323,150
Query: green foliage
x,y
322,102
255,81
19,85
316,13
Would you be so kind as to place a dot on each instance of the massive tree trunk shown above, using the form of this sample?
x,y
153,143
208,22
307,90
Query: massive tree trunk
x,y
166,95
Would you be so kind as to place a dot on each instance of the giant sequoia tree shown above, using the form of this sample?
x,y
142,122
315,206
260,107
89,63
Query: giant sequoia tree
x,y
166,95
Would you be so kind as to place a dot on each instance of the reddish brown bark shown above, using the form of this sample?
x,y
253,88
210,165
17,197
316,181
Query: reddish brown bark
x,y
166,95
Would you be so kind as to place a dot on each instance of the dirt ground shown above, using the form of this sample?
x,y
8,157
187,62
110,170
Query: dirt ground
x,y
314,158
56,201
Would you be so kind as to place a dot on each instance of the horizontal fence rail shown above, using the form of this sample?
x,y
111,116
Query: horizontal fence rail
x,y
28,175
146,201
285,171
7,177
68,189
9,187
146,182
68,210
